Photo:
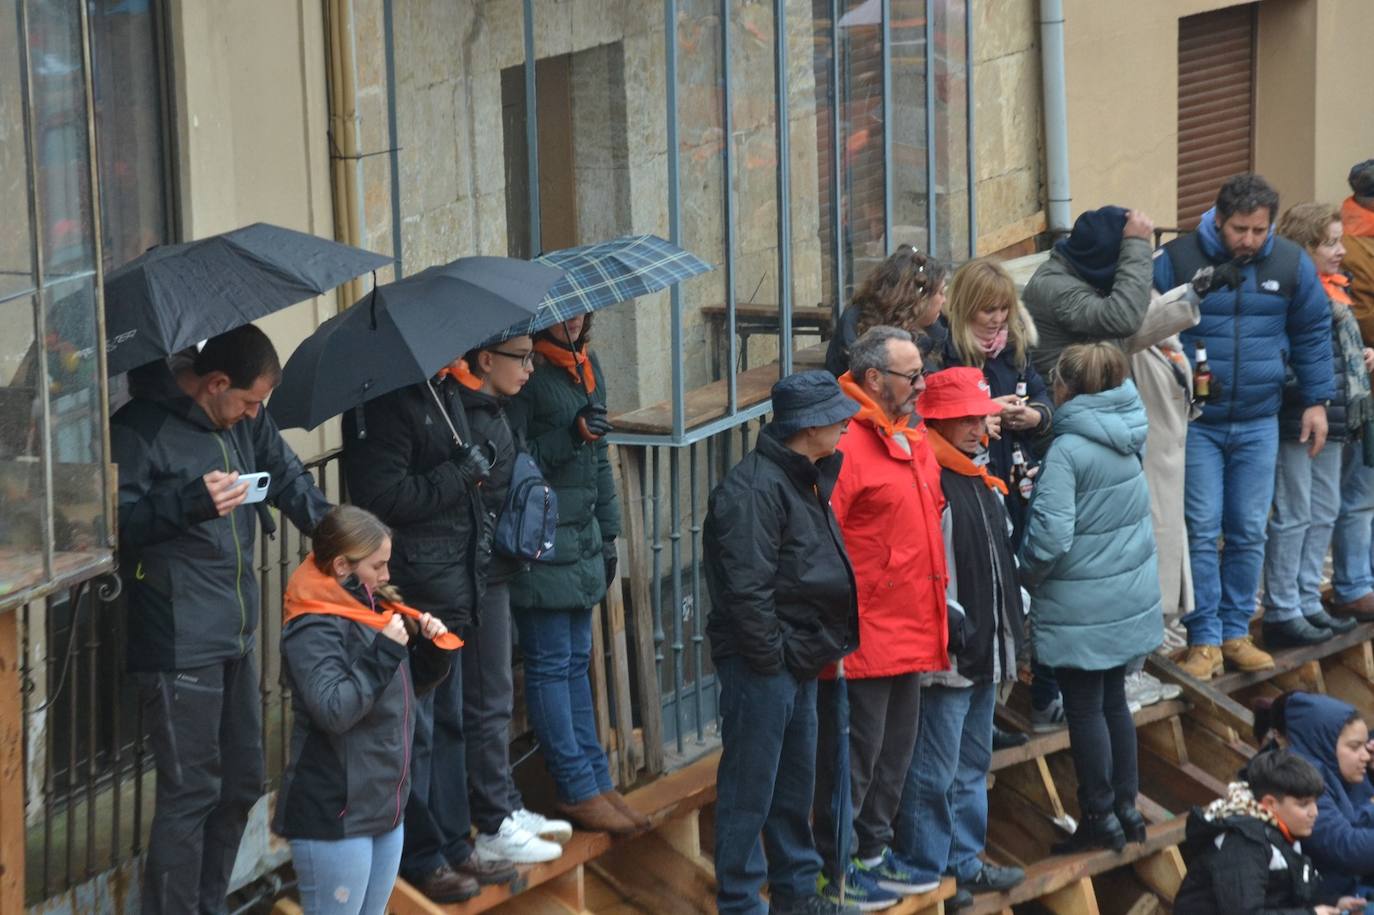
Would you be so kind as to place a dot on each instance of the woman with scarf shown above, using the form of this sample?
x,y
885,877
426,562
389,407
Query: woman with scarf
x,y
355,659
1307,486
908,291
1333,737
561,412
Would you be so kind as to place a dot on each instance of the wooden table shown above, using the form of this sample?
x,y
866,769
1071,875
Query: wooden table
x,y
761,319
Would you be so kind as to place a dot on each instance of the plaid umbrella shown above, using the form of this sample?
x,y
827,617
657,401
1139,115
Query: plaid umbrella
x,y
606,273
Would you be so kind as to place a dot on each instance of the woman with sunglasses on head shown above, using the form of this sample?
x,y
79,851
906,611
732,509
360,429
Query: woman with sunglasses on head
x,y
561,412
908,291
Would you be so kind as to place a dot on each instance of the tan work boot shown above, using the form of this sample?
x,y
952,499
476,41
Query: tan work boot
x,y
1242,654
1202,662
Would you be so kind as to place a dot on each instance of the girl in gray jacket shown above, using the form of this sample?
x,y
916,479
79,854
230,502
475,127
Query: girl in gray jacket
x,y
355,665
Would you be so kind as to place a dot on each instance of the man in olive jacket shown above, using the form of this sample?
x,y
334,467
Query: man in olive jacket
x,y
186,544
783,606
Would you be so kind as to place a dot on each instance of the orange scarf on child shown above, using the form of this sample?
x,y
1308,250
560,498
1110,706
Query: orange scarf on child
x,y
952,458
458,370
871,413
574,361
312,591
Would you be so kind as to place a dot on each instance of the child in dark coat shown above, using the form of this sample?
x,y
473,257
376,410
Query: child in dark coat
x,y
1244,852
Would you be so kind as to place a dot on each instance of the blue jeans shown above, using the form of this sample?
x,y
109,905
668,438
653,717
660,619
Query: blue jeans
x,y
763,787
942,824
1307,497
347,876
1352,558
1228,489
557,648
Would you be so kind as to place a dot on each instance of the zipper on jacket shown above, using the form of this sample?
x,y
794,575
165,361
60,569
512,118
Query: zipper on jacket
x,y
405,759
238,553
1235,374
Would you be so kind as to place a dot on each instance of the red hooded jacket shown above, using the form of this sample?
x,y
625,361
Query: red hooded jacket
x,y
888,503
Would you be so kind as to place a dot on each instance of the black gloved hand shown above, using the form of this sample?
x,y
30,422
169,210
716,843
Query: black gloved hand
x,y
590,423
612,560
473,465
1222,276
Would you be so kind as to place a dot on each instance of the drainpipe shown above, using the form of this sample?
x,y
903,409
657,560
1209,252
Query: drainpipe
x,y
1056,115
345,128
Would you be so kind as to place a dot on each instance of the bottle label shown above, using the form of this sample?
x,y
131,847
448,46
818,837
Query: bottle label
x,y
1025,485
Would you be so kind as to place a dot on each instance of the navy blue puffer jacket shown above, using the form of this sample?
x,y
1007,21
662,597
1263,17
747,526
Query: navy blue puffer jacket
x,y
1253,334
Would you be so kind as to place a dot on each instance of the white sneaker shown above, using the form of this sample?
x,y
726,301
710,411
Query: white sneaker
x,y
516,845
1142,689
1167,691
559,831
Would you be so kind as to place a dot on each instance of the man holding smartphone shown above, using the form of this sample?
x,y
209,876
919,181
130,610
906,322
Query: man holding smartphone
x,y
186,543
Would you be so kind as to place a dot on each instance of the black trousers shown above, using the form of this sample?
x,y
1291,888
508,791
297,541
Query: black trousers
x,y
205,727
1101,737
883,714
437,820
488,703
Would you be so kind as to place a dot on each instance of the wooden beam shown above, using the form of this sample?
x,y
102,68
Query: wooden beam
x,y
1077,898
1204,696
601,701
652,874
1162,872
625,463
631,755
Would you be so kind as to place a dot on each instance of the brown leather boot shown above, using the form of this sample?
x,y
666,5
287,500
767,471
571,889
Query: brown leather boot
x,y
1202,662
447,885
617,800
1360,609
596,814
1242,654
487,871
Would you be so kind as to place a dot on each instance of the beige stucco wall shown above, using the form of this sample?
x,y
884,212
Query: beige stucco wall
x,y
1121,67
249,83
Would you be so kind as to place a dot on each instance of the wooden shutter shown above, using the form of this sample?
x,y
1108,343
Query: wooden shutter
x,y
1216,105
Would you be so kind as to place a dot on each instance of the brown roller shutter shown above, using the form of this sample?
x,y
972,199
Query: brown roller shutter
x,y
1216,104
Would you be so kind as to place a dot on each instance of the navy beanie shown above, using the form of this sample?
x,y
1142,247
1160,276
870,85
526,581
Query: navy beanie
x,y
1094,245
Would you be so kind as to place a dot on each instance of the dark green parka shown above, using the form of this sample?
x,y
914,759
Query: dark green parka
x,y
580,473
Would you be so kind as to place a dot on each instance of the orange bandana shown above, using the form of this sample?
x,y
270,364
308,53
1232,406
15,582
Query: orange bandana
x,y
458,370
574,362
952,458
312,591
1335,285
871,413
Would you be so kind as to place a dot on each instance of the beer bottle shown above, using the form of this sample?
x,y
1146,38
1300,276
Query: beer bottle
x,y
1202,374
1020,472
1021,388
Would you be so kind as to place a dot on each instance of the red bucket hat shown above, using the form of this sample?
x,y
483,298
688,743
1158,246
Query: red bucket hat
x,y
956,392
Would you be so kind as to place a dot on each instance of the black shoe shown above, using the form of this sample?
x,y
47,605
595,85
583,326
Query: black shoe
x,y
488,871
1097,830
1293,633
445,885
1005,740
993,879
1324,620
1132,823
961,899
812,905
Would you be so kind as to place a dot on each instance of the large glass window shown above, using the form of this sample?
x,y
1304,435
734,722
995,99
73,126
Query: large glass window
x,y
54,522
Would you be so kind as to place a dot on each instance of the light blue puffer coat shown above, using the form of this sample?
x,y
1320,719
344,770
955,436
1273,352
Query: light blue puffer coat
x,y
1088,558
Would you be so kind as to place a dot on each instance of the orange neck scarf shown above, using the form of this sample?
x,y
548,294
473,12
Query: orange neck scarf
x,y
574,361
870,412
952,458
1356,220
458,370
312,591
1335,285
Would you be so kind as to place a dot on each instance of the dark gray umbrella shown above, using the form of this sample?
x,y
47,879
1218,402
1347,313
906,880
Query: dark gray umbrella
x,y
176,295
404,332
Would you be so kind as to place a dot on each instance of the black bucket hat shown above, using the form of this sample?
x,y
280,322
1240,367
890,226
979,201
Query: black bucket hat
x,y
807,399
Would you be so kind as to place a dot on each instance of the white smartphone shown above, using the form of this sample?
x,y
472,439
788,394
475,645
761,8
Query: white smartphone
x,y
258,484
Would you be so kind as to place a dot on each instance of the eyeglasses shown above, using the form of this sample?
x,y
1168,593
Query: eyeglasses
x,y
526,359
911,377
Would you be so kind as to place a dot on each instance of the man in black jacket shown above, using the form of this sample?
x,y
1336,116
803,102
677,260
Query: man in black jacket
x,y
186,542
403,461
783,606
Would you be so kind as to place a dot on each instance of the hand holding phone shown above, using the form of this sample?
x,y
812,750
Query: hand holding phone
x,y
258,484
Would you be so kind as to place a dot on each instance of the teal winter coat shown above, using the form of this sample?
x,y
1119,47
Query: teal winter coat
x,y
580,473
1088,558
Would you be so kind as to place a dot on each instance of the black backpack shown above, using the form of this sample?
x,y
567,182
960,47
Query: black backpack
x,y
525,529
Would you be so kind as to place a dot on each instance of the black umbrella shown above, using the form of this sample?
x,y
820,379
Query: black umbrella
x,y
173,296
404,332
